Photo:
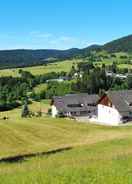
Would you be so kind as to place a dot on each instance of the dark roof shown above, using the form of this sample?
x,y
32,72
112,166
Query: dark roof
x,y
62,102
121,100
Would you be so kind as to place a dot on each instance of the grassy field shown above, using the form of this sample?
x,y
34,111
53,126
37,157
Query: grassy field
x,y
61,151
120,62
110,62
78,153
38,70
60,66
40,88
104,162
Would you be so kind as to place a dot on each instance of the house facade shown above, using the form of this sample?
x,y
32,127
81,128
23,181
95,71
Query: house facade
x,y
115,107
75,105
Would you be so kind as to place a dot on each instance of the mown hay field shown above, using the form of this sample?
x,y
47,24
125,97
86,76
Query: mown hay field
x,y
63,151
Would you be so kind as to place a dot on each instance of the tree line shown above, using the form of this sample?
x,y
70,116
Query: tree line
x,y
93,79
14,90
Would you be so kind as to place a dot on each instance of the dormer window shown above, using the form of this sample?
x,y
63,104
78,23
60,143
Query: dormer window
x,y
91,105
74,105
130,104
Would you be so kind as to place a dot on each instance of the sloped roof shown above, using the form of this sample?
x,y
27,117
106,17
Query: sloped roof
x,y
62,103
121,100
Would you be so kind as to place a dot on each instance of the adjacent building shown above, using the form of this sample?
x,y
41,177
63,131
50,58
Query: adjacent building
x,y
75,105
113,108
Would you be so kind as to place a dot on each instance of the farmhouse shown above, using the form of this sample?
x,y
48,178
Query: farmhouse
x,y
115,107
75,105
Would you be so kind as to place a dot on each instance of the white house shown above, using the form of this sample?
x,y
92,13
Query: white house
x,y
115,107
108,115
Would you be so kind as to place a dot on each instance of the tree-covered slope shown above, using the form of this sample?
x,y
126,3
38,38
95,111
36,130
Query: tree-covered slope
x,y
120,45
22,58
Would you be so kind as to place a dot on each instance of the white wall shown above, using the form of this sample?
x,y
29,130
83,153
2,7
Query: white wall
x,y
108,115
54,111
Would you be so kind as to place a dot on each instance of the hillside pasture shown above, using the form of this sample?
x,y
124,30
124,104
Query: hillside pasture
x,y
64,151
63,66
43,69
43,150
118,59
103,162
26,136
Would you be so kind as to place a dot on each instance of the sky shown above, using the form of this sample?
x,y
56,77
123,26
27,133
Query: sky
x,y
62,24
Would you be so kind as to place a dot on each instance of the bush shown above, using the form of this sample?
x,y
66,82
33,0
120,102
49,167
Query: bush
x,y
25,110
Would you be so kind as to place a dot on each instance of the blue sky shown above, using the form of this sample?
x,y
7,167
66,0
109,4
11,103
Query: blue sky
x,y
62,24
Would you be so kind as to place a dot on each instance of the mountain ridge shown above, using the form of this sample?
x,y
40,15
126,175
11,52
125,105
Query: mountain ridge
x,y
29,57
123,44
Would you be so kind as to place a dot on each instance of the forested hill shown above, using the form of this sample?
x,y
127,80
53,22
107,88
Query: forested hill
x,y
120,45
22,58
123,44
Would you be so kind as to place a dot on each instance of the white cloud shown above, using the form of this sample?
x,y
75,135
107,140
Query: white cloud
x,y
53,40
40,40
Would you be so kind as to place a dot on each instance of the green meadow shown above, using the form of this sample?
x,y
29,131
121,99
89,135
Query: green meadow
x,y
62,151
62,66
43,150
43,69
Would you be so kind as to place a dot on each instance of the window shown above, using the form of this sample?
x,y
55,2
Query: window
x,y
91,104
74,105
130,104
